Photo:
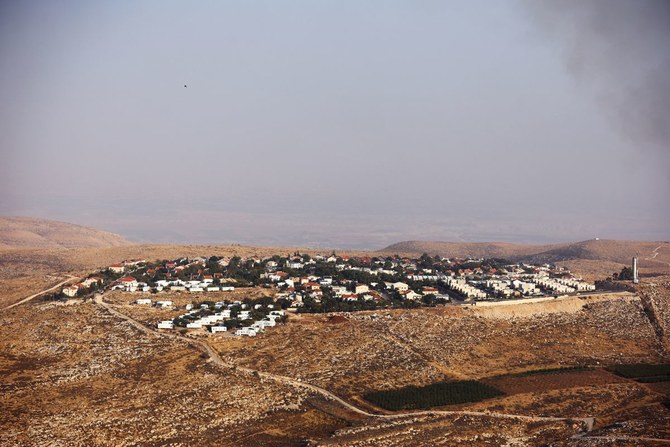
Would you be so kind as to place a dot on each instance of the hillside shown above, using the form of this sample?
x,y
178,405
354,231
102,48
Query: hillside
x,y
467,249
28,232
593,259
598,250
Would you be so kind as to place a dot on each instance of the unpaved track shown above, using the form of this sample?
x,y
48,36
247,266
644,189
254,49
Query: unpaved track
x,y
297,383
653,253
626,438
25,300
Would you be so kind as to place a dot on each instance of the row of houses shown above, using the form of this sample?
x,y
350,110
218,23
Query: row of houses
x,y
130,284
223,312
464,288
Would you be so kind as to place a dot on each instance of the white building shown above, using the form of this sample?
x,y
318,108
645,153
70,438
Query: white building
x,y
361,288
167,324
70,291
249,332
400,286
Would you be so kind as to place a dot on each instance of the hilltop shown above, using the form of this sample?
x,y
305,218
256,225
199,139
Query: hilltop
x,y
28,232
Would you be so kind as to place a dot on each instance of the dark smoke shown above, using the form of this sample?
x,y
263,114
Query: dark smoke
x,y
619,51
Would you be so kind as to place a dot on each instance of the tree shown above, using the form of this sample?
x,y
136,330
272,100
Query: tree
x,y
429,299
626,274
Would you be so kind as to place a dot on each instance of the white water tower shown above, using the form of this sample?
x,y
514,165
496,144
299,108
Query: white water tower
x,y
636,278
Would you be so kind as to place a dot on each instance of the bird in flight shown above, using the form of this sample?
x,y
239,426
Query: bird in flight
x,y
185,86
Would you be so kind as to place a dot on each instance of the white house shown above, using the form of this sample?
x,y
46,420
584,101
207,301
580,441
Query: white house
x,y
70,291
339,290
117,268
167,324
194,325
266,323
249,332
215,329
163,304
143,301
361,288
410,295
400,286
128,281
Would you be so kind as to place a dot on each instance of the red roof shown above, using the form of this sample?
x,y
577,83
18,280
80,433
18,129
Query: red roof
x,y
128,279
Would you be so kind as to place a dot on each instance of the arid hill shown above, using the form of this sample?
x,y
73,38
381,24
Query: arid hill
x,y
467,249
28,232
654,257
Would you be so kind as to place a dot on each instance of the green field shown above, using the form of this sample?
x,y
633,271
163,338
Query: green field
x,y
434,395
644,373
638,370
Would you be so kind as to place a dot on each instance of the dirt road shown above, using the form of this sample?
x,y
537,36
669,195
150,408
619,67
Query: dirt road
x,y
68,279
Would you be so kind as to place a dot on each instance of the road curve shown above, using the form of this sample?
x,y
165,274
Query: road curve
x,y
25,300
217,360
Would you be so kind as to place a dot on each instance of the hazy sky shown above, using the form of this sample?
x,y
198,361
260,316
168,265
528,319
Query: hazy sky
x,y
338,123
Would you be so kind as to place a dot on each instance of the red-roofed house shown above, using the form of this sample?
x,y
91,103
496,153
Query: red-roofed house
x,y
128,281
117,268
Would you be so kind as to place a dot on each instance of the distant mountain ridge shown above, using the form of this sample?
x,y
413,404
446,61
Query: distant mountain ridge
x,y
28,232
594,249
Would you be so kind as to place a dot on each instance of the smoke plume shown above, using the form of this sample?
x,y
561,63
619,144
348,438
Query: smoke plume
x,y
619,52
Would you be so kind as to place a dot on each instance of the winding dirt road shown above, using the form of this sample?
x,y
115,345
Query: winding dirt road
x,y
297,383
